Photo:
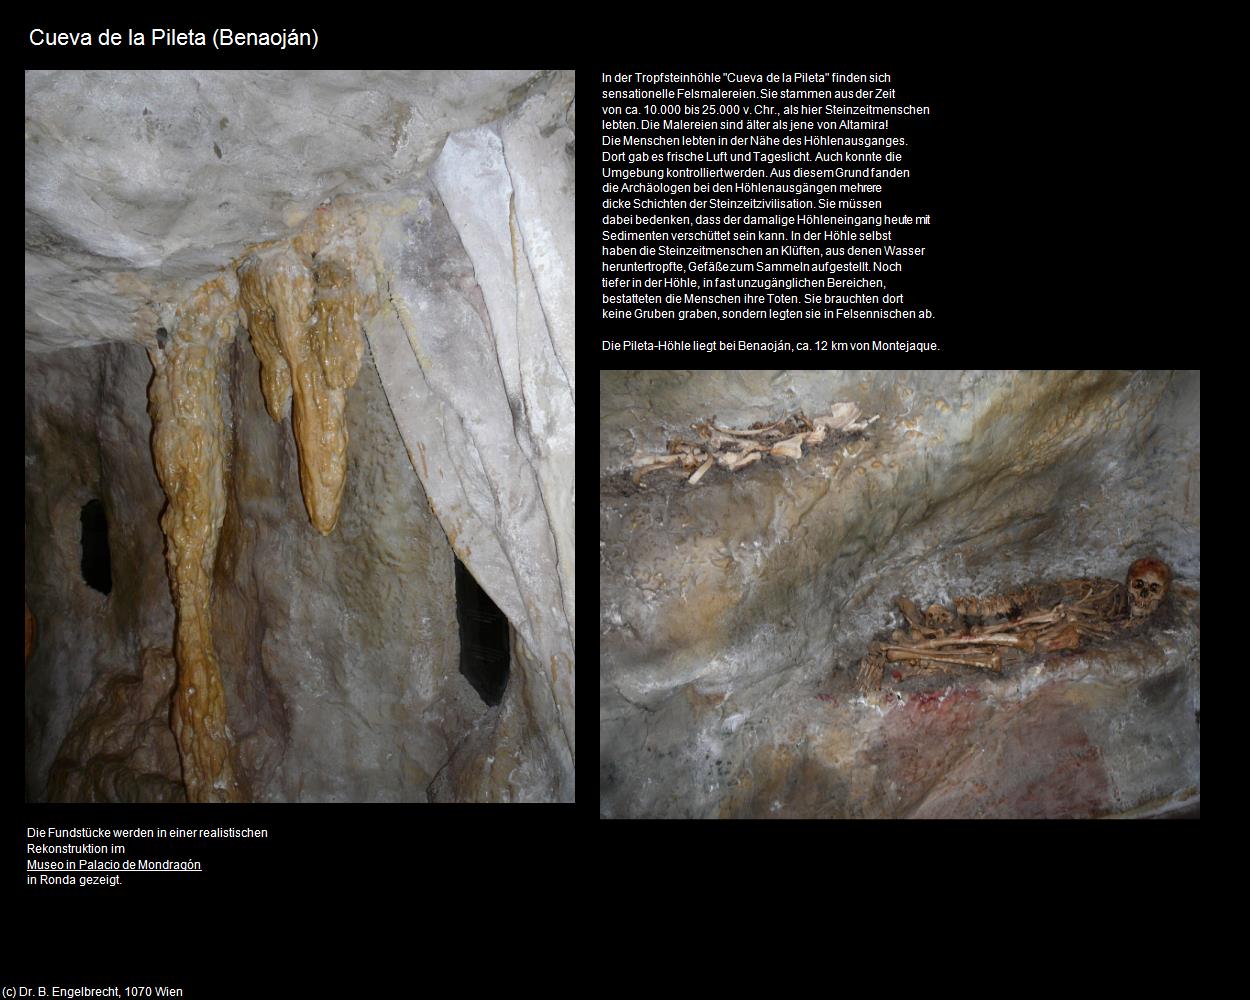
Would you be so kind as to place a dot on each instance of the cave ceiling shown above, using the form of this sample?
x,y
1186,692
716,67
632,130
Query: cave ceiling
x,y
140,184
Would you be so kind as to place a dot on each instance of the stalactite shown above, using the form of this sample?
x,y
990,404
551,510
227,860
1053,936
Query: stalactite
x,y
188,445
304,323
305,329
336,323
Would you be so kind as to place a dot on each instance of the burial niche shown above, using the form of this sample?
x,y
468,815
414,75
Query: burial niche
x,y
483,638
97,567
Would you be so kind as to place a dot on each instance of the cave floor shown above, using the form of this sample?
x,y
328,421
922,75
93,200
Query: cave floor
x,y
1109,729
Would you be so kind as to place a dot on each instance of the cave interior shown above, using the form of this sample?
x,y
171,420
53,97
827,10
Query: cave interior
x,y
299,404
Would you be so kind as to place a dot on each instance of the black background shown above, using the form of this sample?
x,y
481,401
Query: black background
x,y
1066,229
347,899
1045,169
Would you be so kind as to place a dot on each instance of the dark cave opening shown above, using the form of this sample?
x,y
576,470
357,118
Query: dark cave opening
x,y
97,566
484,653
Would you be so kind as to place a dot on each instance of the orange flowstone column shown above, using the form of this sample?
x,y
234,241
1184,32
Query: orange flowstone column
x,y
188,446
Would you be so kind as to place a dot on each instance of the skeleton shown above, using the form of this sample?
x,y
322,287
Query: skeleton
x,y
736,449
1046,618
1147,583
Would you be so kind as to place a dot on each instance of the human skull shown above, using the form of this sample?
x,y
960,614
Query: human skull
x,y
1147,584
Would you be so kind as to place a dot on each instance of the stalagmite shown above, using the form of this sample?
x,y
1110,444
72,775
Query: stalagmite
x,y
188,445
305,330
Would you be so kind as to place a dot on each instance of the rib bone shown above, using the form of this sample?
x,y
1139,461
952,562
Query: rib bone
x,y
971,658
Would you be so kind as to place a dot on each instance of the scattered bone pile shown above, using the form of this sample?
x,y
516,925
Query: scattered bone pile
x,y
733,449
1043,619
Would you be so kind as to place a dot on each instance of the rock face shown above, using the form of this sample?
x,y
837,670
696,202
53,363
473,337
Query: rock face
x,y
324,586
340,651
87,437
495,453
734,612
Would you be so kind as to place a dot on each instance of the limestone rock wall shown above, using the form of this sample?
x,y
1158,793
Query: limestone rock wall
x,y
87,436
341,651
733,613
480,281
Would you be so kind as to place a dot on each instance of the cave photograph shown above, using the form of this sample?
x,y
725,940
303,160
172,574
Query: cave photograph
x,y
299,436
899,594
